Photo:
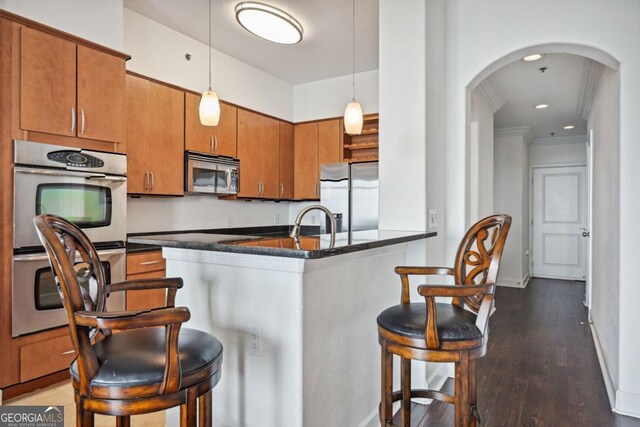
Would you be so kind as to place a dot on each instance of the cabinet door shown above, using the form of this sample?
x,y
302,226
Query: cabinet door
x,y
149,298
47,83
249,137
154,137
329,141
100,96
286,161
270,157
305,166
226,132
197,137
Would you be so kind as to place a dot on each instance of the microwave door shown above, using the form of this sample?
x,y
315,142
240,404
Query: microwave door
x,y
226,182
201,177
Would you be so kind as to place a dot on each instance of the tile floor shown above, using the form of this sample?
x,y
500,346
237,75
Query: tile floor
x,y
62,394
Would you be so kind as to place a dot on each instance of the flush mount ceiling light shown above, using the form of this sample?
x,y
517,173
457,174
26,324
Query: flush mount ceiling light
x,y
533,57
541,106
268,22
568,127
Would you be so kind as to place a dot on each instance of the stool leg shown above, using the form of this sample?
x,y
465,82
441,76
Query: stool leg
x,y
406,391
123,421
386,366
188,410
204,410
462,398
473,390
83,418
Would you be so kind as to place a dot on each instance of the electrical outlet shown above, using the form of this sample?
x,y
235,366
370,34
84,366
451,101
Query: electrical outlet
x,y
229,220
433,218
254,343
276,219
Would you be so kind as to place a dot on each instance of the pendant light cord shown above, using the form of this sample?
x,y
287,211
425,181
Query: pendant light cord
x,y
209,45
353,50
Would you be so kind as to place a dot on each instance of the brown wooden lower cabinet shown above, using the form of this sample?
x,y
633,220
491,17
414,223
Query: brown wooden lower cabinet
x,y
45,357
146,265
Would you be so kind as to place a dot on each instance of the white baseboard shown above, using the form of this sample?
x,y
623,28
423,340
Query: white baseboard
x,y
511,283
608,382
627,403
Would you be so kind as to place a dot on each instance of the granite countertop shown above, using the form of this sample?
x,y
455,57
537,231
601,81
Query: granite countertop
x,y
275,244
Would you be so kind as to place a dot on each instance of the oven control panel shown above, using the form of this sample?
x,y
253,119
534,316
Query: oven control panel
x,y
75,159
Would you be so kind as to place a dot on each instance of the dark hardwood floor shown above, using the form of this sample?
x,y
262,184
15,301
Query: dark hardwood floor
x,y
541,368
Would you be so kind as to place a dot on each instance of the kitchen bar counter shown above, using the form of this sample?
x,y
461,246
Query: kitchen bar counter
x,y
291,320
310,247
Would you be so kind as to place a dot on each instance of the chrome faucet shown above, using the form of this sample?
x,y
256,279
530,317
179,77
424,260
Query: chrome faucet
x,y
295,233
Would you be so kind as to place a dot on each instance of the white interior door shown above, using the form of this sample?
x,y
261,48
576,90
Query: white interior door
x,y
559,221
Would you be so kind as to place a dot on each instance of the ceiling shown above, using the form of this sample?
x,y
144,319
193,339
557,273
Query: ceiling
x,y
324,52
521,85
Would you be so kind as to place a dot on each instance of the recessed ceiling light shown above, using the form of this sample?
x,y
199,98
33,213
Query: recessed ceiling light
x,y
568,127
541,106
533,57
269,23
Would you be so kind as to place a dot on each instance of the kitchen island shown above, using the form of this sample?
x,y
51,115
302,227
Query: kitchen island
x,y
298,325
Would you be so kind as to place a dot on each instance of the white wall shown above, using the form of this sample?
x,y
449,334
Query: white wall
x,y
480,177
402,73
561,151
158,51
604,119
329,98
96,20
511,196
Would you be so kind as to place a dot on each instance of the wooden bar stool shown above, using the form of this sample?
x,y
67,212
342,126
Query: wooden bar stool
x,y
443,332
150,364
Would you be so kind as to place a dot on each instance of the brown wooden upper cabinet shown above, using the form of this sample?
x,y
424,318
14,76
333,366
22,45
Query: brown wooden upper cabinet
x,y
69,89
316,143
286,161
154,138
258,151
219,139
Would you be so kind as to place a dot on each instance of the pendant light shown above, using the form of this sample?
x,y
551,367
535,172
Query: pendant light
x,y
353,113
209,102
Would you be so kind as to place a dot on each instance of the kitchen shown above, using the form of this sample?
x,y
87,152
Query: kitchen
x,y
248,171
413,109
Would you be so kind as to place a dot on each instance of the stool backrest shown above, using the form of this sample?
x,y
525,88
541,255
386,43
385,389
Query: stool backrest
x,y
479,253
80,278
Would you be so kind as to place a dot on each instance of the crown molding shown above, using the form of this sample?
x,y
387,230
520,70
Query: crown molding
x,y
590,79
524,131
556,140
490,95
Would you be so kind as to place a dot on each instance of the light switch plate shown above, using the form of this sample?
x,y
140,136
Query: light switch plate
x,y
433,218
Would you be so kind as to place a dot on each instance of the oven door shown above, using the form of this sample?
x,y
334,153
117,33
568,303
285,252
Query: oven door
x,y
94,202
227,179
36,303
201,176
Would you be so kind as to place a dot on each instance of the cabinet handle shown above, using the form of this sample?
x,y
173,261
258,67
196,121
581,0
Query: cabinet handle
x,y
68,352
82,121
211,142
215,147
73,120
153,180
281,189
146,181
150,262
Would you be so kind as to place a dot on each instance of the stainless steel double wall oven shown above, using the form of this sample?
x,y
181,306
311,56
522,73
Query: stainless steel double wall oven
x,y
89,188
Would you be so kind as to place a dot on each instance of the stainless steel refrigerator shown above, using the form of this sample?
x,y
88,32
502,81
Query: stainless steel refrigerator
x,y
350,191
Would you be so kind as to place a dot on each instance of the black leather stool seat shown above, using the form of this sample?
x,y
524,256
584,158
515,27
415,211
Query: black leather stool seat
x,y
452,322
137,357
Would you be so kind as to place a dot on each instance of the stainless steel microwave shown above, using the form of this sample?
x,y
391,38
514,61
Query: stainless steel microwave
x,y
211,174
